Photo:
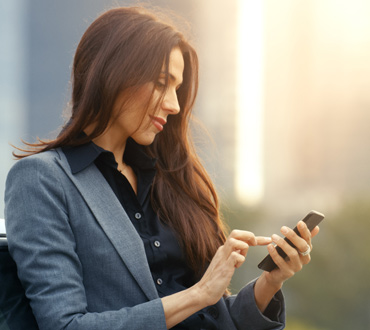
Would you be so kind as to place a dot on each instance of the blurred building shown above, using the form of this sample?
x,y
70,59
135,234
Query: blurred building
x,y
12,83
217,44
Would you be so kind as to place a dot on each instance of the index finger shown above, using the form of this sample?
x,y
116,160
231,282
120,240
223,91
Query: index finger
x,y
250,238
262,240
243,235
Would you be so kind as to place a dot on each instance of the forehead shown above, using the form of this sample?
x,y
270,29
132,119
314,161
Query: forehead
x,y
176,65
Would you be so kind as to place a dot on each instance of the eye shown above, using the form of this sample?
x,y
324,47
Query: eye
x,y
160,84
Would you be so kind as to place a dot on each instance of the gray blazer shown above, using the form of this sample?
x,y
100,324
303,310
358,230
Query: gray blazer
x,y
80,259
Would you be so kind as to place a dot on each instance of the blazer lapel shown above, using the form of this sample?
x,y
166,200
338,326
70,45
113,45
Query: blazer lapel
x,y
111,216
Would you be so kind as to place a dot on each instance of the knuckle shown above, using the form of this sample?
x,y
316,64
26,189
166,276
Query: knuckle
x,y
293,254
249,234
290,234
240,258
232,241
235,255
234,233
291,272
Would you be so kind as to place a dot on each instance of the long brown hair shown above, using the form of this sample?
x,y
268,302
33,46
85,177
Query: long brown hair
x,y
125,48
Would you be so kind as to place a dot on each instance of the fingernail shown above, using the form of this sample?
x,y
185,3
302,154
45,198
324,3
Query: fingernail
x,y
275,237
270,247
284,230
301,225
268,239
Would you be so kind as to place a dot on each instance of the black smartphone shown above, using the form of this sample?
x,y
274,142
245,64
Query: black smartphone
x,y
312,219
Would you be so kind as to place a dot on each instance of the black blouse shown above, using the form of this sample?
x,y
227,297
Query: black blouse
x,y
165,257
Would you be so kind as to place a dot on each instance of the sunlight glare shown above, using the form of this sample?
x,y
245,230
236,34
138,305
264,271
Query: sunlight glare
x,y
249,177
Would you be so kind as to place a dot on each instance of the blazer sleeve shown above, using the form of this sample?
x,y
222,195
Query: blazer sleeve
x,y
245,314
42,243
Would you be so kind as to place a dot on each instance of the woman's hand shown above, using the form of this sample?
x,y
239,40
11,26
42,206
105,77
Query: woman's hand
x,y
270,282
296,260
209,290
228,257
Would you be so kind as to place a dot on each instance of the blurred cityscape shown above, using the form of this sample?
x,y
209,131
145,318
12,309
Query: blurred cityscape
x,y
312,95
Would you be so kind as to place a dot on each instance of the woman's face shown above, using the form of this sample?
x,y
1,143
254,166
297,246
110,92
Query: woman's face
x,y
141,122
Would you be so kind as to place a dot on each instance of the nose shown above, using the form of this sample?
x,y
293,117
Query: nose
x,y
170,102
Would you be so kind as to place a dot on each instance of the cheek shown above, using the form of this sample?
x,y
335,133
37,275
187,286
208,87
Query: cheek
x,y
155,101
135,115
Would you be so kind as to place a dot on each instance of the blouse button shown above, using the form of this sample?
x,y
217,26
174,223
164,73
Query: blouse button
x,y
213,311
159,281
157,244
137,216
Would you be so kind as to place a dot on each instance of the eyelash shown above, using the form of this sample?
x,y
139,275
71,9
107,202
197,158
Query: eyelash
x,y
160,85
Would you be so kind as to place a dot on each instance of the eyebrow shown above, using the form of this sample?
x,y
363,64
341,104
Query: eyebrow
x,y
171,76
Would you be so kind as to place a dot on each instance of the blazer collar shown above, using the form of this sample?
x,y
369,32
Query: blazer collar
x,y
114,221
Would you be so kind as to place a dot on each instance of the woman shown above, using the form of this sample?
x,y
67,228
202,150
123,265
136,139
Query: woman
x,y
115,223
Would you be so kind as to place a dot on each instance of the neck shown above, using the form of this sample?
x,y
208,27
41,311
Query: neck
x,y
113,143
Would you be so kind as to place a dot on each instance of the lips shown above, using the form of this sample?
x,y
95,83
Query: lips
x,y
158,122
